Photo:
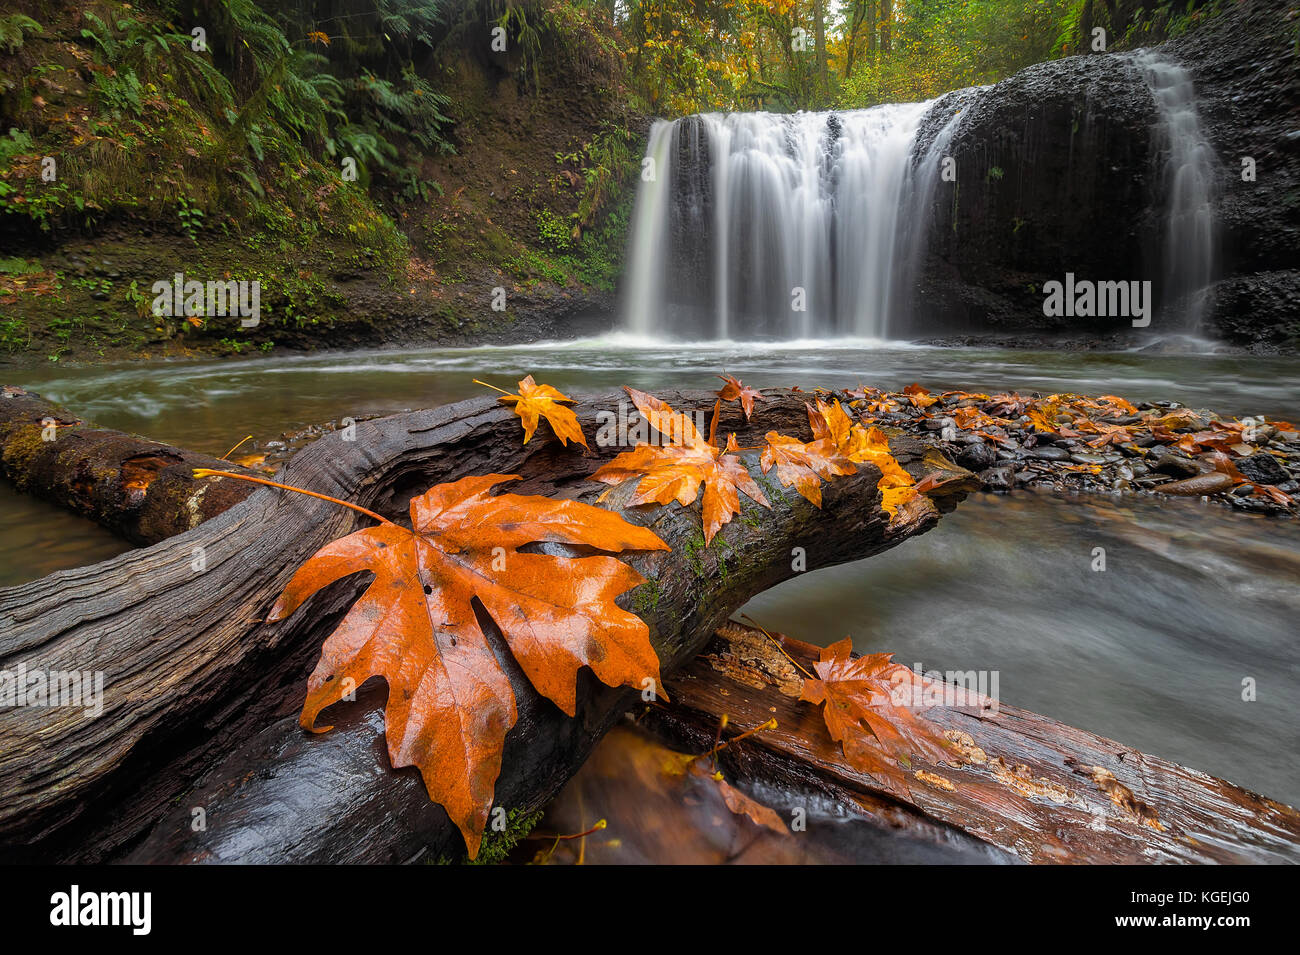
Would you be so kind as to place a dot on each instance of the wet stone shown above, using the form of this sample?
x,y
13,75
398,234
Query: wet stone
x,y
1263,469
999,478
1050,453
1175,465
977,457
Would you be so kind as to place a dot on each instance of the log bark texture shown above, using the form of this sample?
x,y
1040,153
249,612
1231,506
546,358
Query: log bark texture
x,y
1037,789
201,696
139,489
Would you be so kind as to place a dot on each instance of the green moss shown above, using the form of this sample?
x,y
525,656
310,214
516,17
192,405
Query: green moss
x,y
694,548
723,572
22,446
497,846
645,599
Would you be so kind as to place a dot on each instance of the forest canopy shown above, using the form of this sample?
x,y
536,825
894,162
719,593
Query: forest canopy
x,y
702,55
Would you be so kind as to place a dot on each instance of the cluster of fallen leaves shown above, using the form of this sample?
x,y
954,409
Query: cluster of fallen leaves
x,y
839,444
1098,422
31,283
675,469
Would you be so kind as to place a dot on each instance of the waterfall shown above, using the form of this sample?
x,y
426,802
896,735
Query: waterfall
x,y
760,225
753,226
1186,181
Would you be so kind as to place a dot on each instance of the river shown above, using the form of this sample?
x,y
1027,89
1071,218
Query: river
x,y
1195,603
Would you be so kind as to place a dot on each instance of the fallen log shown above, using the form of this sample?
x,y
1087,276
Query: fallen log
x,y
201,695
1037,789
139,489
659,810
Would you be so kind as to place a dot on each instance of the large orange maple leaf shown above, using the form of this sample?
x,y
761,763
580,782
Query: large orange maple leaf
x,y
450,703
867,710
675,471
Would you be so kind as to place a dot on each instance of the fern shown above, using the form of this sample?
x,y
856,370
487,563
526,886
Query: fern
x,y
13,28
415,110
1069,34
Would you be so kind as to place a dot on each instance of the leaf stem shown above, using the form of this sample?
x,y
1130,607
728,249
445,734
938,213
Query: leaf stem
x,y
770,724
495,388
778,646
600,824
235,448
209,472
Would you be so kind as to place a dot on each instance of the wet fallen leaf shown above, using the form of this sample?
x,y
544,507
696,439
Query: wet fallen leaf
x,y
450,704
735,390
534,401
860,445
743,805
675,471
866,708
802,465
920,397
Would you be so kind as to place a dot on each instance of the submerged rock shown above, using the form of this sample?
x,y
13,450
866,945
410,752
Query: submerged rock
x,y
1002,478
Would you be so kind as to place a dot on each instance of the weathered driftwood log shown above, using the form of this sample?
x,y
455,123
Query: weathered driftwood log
x,y
1035,788
201,695
137,488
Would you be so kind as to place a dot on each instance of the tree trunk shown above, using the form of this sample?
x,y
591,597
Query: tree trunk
x,y
1034,788
139,489
858,17
201,696
819,32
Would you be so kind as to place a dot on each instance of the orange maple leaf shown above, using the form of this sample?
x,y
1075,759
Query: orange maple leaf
x,y
536,400
804,465
674,471
675,765
450,704
866,711
919,396
741,804
830,423
735,390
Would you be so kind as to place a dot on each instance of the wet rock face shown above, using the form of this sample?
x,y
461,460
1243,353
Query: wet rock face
x,y
1075,143
1052,176
1248,86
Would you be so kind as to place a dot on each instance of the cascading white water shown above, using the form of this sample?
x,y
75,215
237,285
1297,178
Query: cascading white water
x,y
646,267
813,225
772,226
1188,186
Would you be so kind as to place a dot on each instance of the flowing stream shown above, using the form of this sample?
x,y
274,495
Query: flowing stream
x,y
1152,652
